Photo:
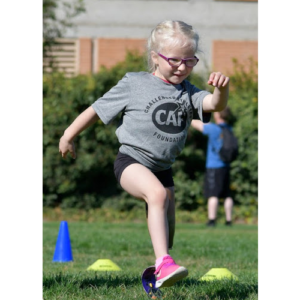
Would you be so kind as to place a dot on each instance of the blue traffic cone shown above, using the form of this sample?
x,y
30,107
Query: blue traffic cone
x,y
63,251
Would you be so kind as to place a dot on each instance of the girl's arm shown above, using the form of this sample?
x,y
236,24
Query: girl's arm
x,y
218,100
84,120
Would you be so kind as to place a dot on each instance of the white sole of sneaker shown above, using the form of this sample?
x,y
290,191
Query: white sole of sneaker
x,y
171,279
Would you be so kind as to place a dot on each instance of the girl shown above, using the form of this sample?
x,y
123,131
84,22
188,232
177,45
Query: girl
x,y
157,109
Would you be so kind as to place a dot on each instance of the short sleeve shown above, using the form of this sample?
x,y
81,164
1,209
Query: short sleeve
x,y
114,101
197,97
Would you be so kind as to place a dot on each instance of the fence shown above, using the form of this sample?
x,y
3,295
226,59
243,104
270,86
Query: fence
x,y
86,55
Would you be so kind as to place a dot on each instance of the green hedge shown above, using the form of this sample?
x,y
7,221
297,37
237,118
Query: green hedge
x,y
88,182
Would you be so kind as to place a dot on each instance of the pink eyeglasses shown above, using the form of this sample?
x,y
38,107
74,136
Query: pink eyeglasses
x,y
176,62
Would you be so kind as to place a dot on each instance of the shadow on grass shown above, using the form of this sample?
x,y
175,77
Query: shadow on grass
x,y
198,290
82,282
220,289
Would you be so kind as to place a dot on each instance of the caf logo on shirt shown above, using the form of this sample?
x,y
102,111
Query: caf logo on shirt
x,y
170,117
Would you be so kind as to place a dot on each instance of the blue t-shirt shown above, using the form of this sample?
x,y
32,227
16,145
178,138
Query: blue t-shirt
x,y
213,131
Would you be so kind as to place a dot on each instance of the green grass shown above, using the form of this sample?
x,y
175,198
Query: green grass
x,y
128,245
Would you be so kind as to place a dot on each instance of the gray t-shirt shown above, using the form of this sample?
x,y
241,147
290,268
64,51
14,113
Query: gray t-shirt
x,y
155,118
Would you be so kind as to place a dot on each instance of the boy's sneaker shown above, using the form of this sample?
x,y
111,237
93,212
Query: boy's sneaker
x,y
211,223
167,273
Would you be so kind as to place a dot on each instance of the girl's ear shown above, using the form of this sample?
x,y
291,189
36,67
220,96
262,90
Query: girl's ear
x,y
154,57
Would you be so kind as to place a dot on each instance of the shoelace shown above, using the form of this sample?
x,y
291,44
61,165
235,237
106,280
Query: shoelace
x,y
165,261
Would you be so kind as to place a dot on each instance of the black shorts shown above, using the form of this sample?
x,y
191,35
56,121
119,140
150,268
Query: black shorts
x,y
123,160
217,183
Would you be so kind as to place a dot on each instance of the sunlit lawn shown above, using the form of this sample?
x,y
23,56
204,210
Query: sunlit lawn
x,y
128,245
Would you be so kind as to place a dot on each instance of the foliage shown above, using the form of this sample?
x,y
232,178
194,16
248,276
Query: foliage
x,y
244,104
89,182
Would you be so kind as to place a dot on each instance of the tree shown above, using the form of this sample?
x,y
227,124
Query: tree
x,y
54,25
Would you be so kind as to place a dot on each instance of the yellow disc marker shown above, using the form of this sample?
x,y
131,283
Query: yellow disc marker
x,y
218,274
103,265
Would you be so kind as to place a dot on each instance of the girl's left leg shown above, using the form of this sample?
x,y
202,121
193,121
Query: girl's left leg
x,y
141,183
170,215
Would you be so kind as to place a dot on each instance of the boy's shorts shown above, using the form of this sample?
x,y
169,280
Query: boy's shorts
x,y
123,160
217,183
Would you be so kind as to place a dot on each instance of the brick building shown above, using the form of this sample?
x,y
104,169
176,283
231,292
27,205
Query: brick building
x,y
108,28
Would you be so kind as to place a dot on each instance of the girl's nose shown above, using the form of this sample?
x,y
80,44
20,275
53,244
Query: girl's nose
x,y
182,67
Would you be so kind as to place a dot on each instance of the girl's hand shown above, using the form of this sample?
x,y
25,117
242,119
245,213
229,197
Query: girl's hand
x,y
66,146
217,79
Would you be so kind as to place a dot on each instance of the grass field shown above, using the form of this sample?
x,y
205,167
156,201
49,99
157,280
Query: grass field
x,y
128,245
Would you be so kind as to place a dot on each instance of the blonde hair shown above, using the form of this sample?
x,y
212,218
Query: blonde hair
x,y
172,34
226,114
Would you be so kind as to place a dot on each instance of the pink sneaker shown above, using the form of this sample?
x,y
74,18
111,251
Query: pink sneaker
x,y
167,273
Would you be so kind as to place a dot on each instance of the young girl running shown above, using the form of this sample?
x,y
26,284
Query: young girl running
x,y
157,109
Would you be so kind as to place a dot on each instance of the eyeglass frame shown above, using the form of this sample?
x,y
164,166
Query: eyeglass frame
x,y
183,60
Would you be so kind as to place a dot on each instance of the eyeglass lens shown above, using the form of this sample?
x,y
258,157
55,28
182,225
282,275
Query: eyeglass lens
x,y
188,62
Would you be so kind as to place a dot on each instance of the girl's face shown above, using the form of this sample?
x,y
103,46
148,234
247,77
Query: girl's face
x,y
172,74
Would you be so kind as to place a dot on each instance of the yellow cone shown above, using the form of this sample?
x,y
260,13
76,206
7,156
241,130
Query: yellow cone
x,y
103,265
218,274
